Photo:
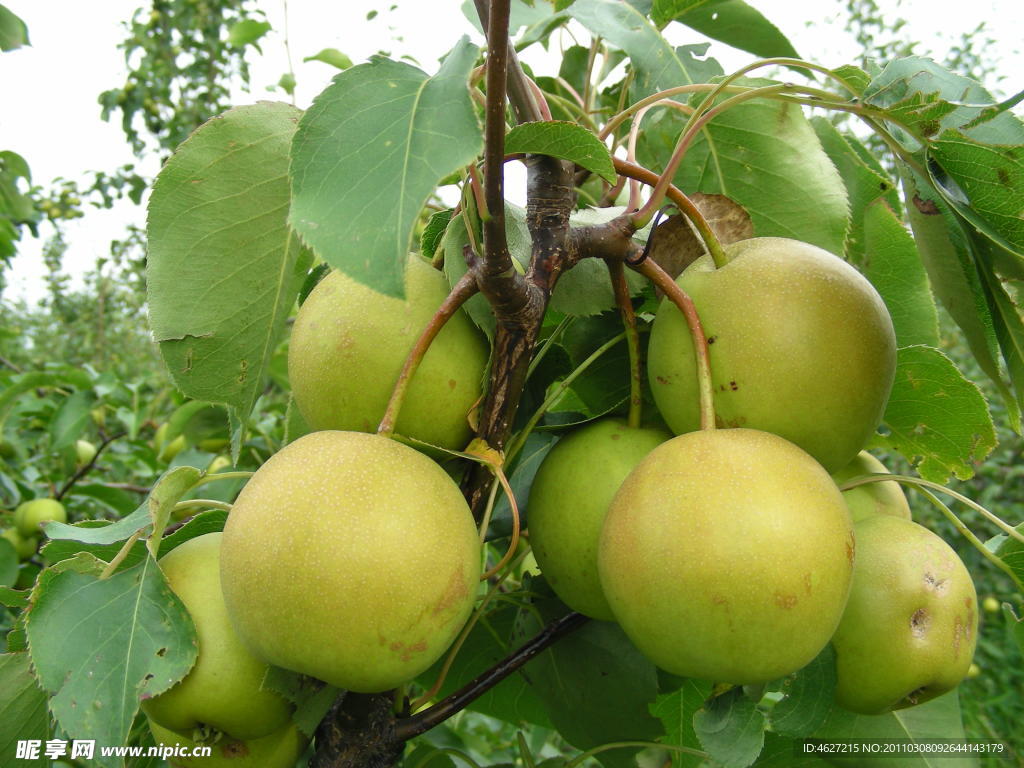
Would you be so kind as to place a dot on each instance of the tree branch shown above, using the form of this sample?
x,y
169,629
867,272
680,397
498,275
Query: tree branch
x,y
409,727
520,94
85,468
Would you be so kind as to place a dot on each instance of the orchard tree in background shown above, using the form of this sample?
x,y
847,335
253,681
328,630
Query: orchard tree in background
x,y
595,468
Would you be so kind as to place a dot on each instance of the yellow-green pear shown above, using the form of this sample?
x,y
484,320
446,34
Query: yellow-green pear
x,y
726,555
31,514
84,452
568,502
222,690
172,449
280,749
911,624
801,345
884,498
352,558
349,343
24,546
218,464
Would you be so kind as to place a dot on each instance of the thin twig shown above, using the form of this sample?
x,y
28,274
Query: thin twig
x,y
85,468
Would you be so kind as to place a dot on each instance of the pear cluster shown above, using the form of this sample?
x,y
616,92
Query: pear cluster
x,y
730,554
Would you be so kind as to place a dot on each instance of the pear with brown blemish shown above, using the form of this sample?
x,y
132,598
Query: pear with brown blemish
x,y
348,346
911,624
727,555
351,558
801,345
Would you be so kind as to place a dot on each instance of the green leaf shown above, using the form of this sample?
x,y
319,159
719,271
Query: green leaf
x,y
56,550
287,83
221,262
676,711
26,382
731,728
8,564
13,598
809,697
154,511
568,141
433,234
101,645
331,56
1010,551
782,752
935,719
732,22
312,698
893,266
596,686
525,469
764,156
247,32
1016,625
118,501
1006,317
23,714
490,641
13,32
936,418
369,152
70,419
945,251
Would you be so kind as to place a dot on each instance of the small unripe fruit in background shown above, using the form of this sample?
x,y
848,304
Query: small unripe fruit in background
x,y
84,452
24,546
991,604
31,514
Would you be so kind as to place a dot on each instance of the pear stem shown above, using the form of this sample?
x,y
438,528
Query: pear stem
x,y
1005,527
621,289
681,299
463,290
682,202
966,532
513,544
122,553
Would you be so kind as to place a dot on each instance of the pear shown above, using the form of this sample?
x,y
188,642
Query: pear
x,y
222,690
911,624
727,555
31,514
351,558
885,498
24,546
569,499
280,749
801,345
348,346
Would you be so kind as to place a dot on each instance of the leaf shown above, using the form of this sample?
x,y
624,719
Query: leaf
x,y
13,32
221,259
23,713
118,501
433,234
1006,318
58,550
247,32
70,419
731,728
101,645
935,719
369,152
331,56
13,598
521,479
732,22
312,698
893,266
26,382
8,563
764,156
568,141
676,711
490,641
809,697
1010,551
945,251
1016,625
595,685
154,511
936,418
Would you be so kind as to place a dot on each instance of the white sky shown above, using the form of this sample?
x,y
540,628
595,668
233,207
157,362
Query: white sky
x,y
51,116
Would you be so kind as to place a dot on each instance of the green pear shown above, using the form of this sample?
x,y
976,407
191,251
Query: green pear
x,y
801,345
349,343
909,629
222,690
569,499
884,498
352,558
218,464
280,749
84,452
31,514
24,546
727,555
